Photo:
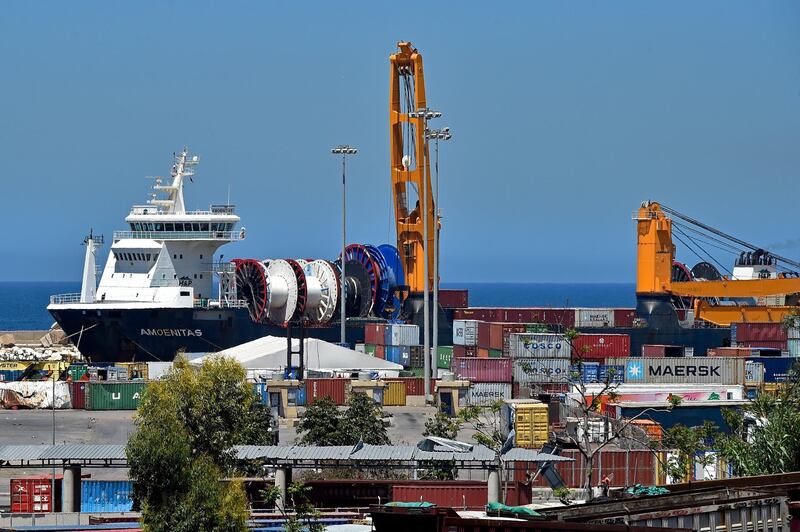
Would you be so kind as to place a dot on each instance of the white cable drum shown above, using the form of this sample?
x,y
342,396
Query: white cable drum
x,y
323,291
282,284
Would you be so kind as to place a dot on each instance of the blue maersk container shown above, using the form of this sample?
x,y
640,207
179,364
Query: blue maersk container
x,y
618,377
399,354
106,496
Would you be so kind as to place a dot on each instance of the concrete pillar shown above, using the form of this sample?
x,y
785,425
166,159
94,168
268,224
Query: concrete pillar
x,y
493,488
71,489
280,483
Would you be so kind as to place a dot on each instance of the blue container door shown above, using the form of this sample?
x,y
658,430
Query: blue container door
x,y
106,496
261,391
301,396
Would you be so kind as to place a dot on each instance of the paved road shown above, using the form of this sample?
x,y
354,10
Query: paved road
x,y
26,427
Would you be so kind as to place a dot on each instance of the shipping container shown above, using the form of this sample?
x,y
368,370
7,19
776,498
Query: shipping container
x,y
594,317
729,352
399,354
753,373
601,346
444,356
483,352
495,353
369,349
395,393
158,370
401,334
793,346
622,467
464,351
774,345
77,394
10,375
608,373
776,369
483,334
487,393
526,345
623,317
658,351
379,352
755,332
587,371
260,389
374,333
114,395
333,388
482,369
77,371
541,370
653,430
8,365
474,313
459,494
137,371
414,385
296,396
562,318
495,335
106,496
694,370
531,422
454,298
465,332
416,358
35,494
536,328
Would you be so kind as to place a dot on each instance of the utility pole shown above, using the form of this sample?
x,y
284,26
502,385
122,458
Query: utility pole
x,y
344,150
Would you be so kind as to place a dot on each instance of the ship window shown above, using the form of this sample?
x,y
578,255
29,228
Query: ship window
x,y
148,256
184,292
181,255
201,275
169,227
150,227
201,256
204,227
133,226
195,227
187,227
138,226
163,275
174,255
195,276
214,227
159,227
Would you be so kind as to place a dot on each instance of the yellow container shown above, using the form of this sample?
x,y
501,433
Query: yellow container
x,y
14,366
136,370
394,394
531,423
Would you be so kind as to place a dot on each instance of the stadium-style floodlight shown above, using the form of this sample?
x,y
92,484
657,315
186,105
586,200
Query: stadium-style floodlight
x,y
344,150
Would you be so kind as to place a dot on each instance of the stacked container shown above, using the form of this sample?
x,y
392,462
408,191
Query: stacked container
x,y
106,496
391,341
691,370
483,369
465,333
793,342
539,358
594,317
771,335
599,347
660,351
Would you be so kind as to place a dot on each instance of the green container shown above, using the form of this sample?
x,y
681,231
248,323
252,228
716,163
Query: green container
x,y
417,372
114,395
536,328
444,355
495,353
76,371
369,349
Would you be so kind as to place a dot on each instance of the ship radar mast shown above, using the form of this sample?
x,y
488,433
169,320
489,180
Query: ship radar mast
x,y
173,202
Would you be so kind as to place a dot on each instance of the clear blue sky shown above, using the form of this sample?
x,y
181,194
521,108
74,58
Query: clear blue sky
x,y
565,115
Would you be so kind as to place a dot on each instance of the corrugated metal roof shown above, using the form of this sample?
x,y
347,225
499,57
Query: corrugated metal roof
x,y
83,452
21,452
517,454
385,452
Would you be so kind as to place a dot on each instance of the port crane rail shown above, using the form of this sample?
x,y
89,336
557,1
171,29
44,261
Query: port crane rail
x,y
656,257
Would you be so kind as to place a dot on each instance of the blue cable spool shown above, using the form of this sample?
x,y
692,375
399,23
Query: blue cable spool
x,y
395,277
382,295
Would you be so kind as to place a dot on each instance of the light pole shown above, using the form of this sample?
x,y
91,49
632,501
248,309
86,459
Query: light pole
x,y
344,150
436,135
425,114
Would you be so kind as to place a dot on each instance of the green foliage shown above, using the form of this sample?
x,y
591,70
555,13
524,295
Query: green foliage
x,y
688,442
562,493
324,424
321,423
305,516
765,436
186,427
441,426
486,423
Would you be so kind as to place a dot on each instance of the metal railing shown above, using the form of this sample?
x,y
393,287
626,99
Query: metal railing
x,y
150,210
180,235
219,303
58,299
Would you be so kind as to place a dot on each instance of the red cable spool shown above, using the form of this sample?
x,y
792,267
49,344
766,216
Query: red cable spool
x,y
302,289
360,254
252,286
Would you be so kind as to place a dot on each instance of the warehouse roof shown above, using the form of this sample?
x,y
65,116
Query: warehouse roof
x,y
292,455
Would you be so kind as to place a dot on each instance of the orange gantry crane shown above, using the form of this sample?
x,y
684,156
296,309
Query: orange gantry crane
x,y
655,259
411,183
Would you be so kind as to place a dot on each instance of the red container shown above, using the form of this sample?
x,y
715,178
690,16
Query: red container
x,y
515,315
484,314
499,332
657,351
77,394
770,344
462,351
457,494
729,352
483,369
333,388
415,385
624,468
380,352
375,333
760,332
483,352
601,346
35,494
564,317
454,297
623,317
483,334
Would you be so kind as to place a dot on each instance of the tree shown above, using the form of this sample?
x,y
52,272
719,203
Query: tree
x,y
486,422
765,435
689,445
321,423
186,427
305,517
324,424
441,426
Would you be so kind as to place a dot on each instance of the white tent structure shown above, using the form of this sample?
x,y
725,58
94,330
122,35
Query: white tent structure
x,y
268,354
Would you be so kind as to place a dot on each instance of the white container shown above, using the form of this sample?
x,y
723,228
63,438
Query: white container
x,y
401,334
465,332
538,345
594,317
538,370
694,370
753,373
486,393
360,348
793,344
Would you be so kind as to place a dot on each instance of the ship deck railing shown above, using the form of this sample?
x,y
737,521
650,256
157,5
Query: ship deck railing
x,y
151,210
206,303
58,299
180,235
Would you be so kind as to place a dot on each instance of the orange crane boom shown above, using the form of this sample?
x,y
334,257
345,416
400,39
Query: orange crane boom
x,y
410,166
